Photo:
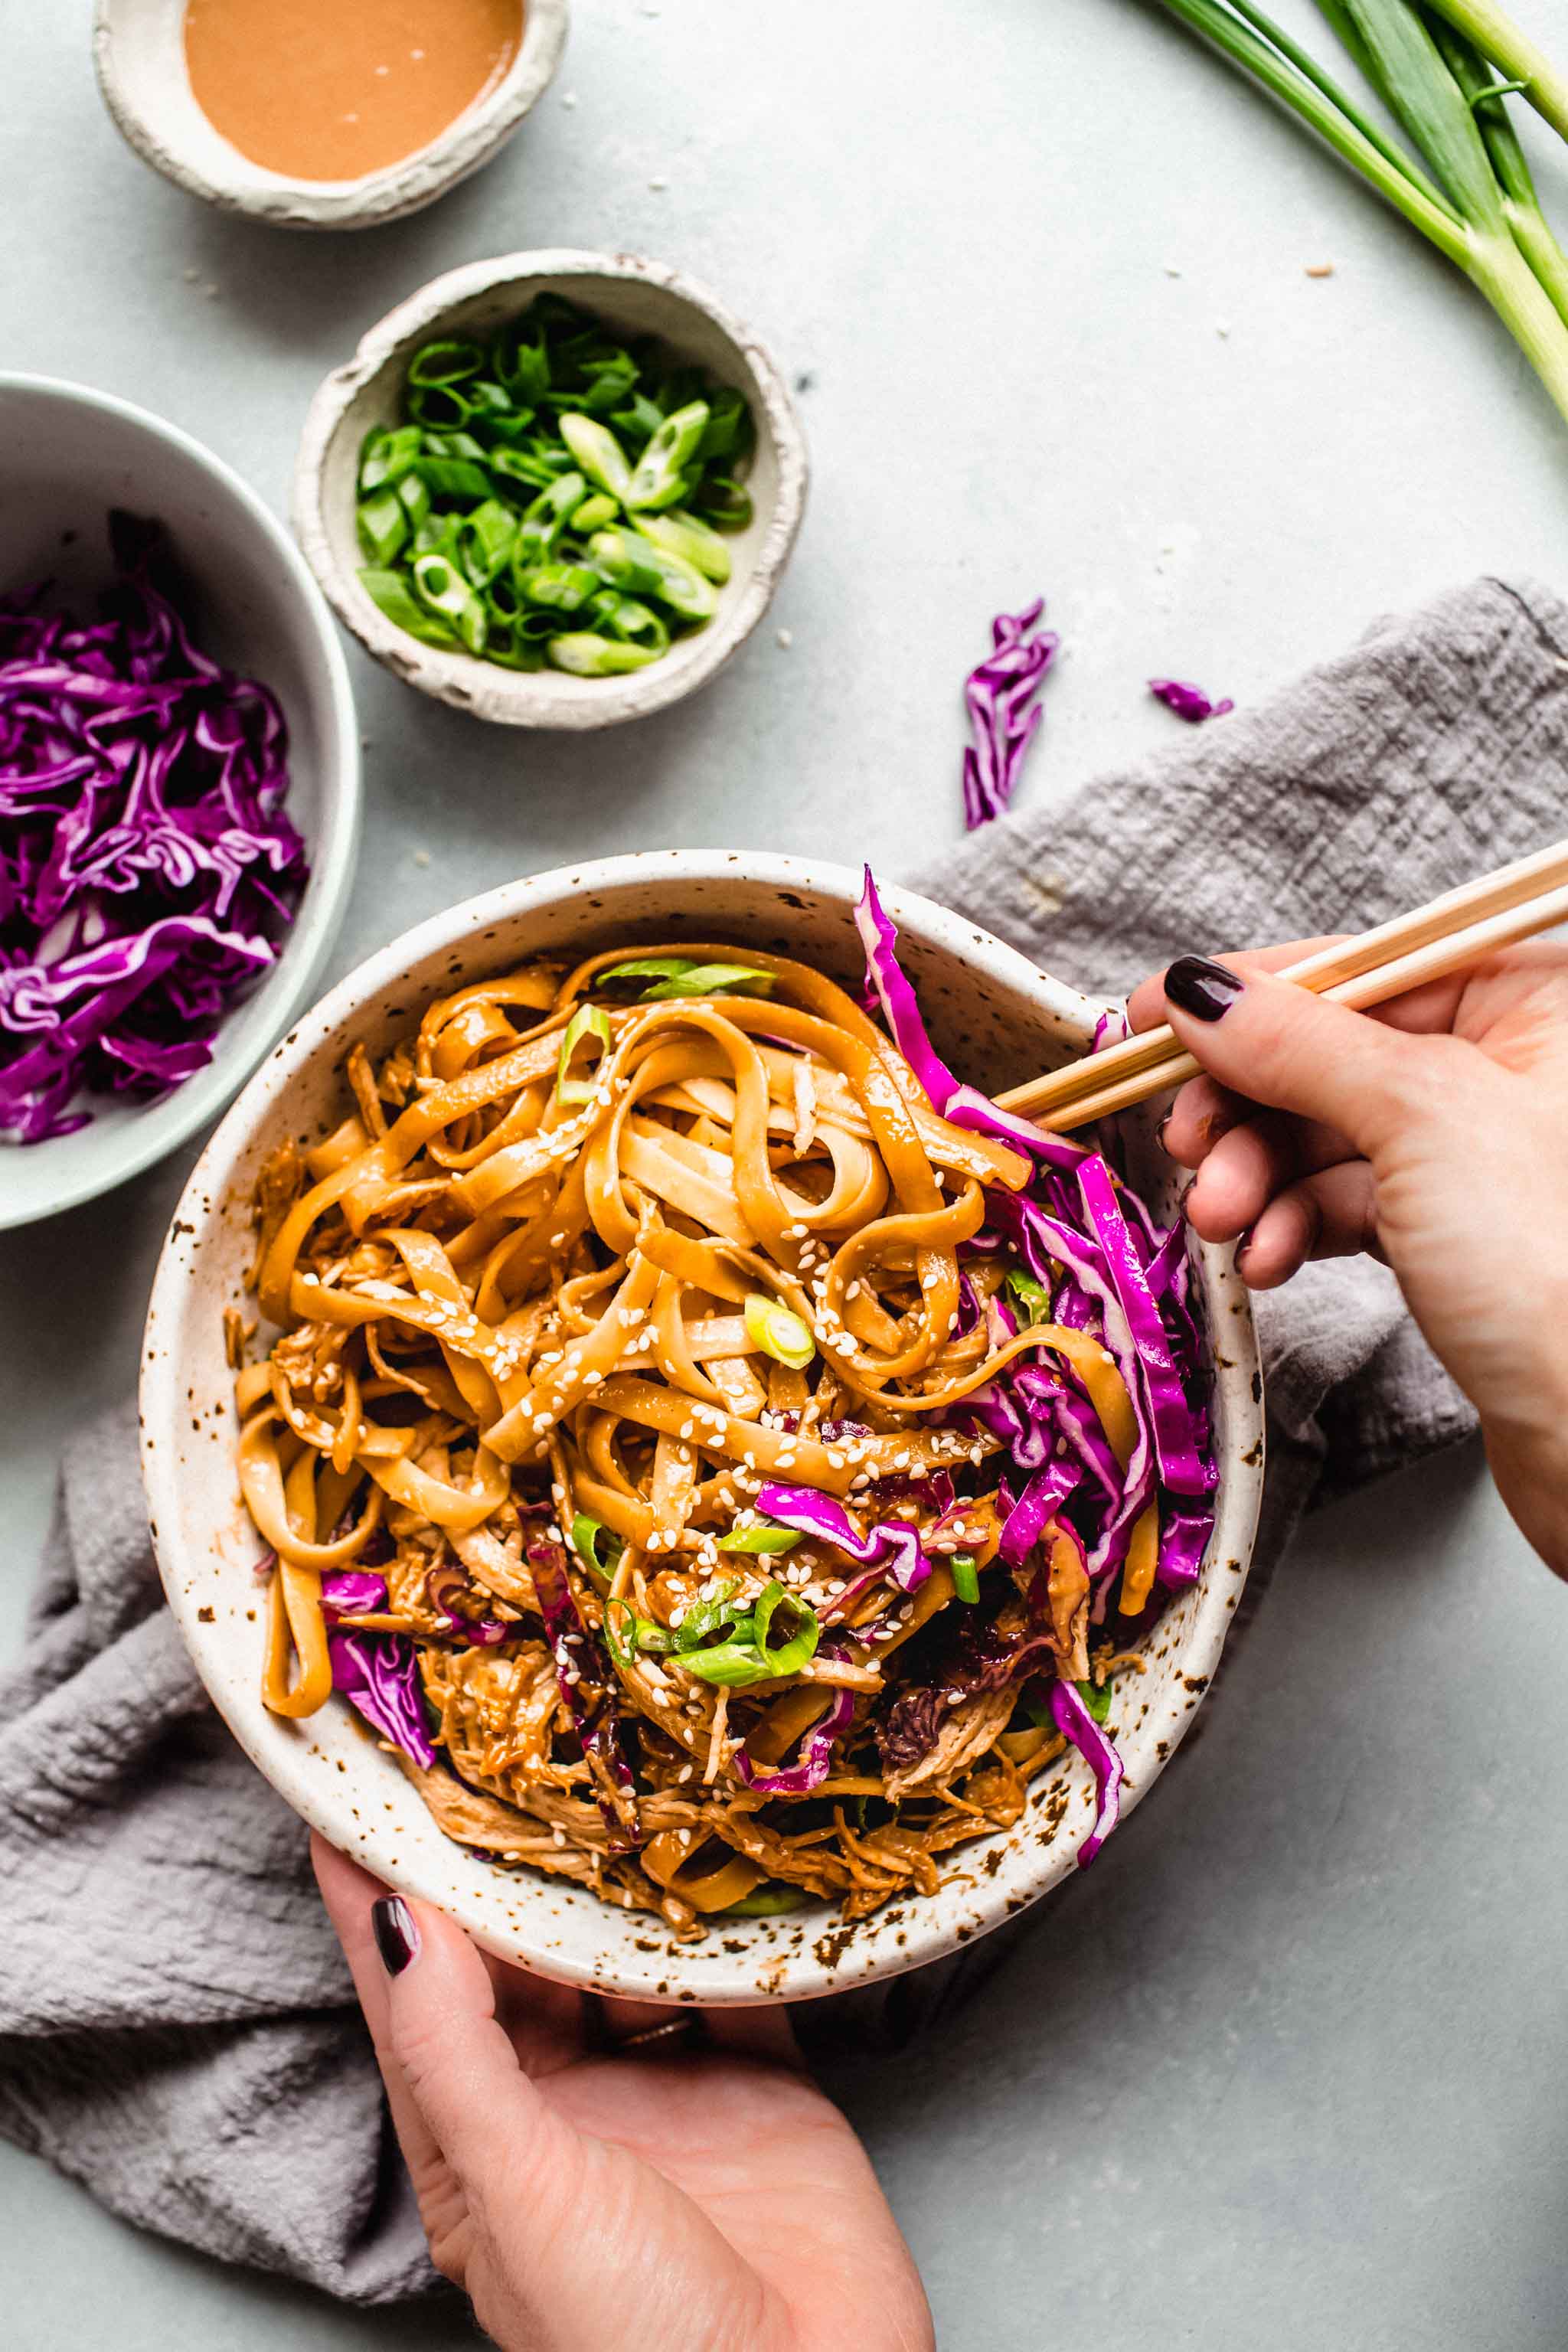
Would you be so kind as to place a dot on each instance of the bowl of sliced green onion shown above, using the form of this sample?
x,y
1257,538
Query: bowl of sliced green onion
x,y
555,489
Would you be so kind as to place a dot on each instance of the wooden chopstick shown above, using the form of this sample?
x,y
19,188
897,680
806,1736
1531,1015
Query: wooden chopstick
x,y
1461,928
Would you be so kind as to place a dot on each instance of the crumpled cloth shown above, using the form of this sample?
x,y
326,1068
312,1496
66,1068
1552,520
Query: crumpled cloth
x,y
176,2026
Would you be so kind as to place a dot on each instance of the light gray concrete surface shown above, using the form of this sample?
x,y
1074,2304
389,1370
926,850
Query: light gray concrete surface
x,y
1288,2070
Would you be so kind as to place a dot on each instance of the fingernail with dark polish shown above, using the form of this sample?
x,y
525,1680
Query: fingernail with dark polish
x,y
396,1937
1193,984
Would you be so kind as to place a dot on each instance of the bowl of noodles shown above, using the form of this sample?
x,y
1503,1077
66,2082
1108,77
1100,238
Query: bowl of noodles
x,y
645,1455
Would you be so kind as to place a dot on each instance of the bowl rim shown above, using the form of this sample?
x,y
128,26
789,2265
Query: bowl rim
x,y
538,698
172,1118
386,195
803,1972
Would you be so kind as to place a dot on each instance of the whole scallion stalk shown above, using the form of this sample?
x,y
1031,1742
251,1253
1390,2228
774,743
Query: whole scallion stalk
x,y
1443,78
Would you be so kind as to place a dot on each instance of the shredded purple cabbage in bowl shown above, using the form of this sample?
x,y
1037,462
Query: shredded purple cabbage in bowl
x,y
149,871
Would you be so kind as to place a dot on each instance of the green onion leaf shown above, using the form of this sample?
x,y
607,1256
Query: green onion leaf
x,y
452,477
383,523
765,1537
723,502
778,1331
1032,1295
1096,1696
562,587
588,1021
627,1635
675,976
485,541
391,592
965,1576
386,458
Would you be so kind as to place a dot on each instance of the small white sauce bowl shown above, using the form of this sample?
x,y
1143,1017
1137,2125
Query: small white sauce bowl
x,y
139,51
637,296
998,1019
67,454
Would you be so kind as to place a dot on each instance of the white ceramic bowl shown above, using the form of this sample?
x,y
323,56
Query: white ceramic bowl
x,y
994,1014
67,454
640,296
139,50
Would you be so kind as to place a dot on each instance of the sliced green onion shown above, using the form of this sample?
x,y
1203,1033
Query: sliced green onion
x,y
452,477
1032,1295
726,504
728,432
383,524
631,562
447,361
681,534
440,585
584,654
732,1665
765,1902
801,1645
675,976
414,496
658,481
778,1331
634,622
390,591
1096,1696
544,520
965,1576
585,1534
386,456
562,587
588,1021
485,540
595,512
628,1636
765,1537
722,1613
598,454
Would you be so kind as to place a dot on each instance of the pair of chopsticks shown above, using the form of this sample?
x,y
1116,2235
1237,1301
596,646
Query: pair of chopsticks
x,y
1462,928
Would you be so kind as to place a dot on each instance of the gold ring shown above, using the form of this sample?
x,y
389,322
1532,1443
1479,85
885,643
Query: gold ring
x,y
674,2025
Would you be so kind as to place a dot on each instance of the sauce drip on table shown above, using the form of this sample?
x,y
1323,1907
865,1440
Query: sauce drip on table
x,y
330,89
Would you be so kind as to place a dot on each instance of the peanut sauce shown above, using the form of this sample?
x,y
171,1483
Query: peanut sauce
x,y
330,89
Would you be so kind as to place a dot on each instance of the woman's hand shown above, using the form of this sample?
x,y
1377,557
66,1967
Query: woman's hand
x,y
665,2198
1434,1131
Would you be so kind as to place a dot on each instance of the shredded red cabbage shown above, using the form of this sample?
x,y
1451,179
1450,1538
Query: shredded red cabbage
x,y
1003,699
587,1683
148,871
1076,1723
893,1545
350,1592
963,1106
379,1675
1108,1270
1188,702
814,1757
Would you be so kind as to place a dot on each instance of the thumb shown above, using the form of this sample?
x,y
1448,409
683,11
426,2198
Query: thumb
x,y
1291,1051
462,2070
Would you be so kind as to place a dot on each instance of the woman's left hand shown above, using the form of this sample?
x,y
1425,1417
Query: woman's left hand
x,y
661,2199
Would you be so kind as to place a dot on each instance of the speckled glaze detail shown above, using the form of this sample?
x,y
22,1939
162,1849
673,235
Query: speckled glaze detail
x,y
990,1009
138,49
67,454
639,297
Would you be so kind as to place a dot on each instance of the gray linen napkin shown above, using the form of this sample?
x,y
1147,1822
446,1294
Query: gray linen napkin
x,y
176,2030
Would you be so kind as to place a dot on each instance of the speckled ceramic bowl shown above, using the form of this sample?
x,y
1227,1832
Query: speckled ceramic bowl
x,y
634,296
139,51
998,1019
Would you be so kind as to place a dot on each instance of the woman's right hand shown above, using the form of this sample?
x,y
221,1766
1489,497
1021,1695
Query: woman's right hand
x,y
1434,1131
